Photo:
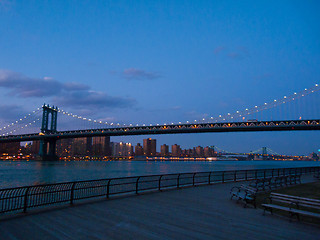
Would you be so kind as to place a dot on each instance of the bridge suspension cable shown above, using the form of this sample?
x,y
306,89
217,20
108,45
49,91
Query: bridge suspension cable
x,y
241,115
255,112
24,123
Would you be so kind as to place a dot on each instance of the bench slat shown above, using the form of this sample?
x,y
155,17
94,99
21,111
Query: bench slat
x,y
292,210
295,197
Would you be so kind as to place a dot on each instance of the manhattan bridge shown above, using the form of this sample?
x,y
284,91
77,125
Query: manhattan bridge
x,y
294,112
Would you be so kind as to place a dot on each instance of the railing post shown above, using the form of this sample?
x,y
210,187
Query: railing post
x,y
222,177
264,173
72,193
193,182
25,205
256,174
209,180
272,173
159,187
246,175
137,185
178,180
108,188
235,176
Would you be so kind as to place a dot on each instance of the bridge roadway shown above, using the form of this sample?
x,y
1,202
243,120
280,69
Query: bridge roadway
x,y
204,212
288,125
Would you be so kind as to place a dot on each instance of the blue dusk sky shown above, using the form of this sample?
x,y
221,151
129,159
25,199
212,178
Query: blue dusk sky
x,y
160,62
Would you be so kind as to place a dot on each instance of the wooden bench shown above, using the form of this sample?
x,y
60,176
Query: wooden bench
x,y
261,184
283,181
292,205
245,194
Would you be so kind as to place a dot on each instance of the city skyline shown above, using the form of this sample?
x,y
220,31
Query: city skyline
x,y
98,148
160,62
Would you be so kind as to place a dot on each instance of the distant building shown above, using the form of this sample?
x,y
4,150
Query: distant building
x,y
208,152
176,150
79,147
150,147
121,149
35,147
64,147
164,151
189,152
199,151
101,146
89,147
138,151
10,148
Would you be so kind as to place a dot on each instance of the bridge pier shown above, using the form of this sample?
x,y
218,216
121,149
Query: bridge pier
x,y
47,150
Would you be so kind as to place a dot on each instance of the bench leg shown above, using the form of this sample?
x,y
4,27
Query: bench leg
x,y
245,204
267,209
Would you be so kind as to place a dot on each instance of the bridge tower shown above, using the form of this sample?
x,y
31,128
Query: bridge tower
x,y
47,149
264,153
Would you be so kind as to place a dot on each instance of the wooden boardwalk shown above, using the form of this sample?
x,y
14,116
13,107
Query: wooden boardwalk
x,y
204,212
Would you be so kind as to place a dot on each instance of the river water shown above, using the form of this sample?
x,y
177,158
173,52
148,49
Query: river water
x,y
23,173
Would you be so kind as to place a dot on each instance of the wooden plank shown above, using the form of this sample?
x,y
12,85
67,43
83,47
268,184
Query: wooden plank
x,y
277,207
296,197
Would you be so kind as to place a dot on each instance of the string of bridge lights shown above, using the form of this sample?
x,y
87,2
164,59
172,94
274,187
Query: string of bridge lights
x,y
22,127
265,106
88,119
19,121
220,118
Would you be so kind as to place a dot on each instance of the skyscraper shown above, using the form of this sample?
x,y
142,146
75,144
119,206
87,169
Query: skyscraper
x,y
164,150
150,147
138,151
101,146
176,150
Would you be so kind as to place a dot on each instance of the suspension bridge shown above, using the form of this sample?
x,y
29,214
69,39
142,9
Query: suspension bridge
x,y
298,111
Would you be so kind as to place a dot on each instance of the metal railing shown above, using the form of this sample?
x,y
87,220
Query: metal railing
x,y
21,199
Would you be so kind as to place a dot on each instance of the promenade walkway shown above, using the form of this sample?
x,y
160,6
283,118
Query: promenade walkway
x,y
204,212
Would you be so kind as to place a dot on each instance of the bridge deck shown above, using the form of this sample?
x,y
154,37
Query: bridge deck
x,y
204,212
